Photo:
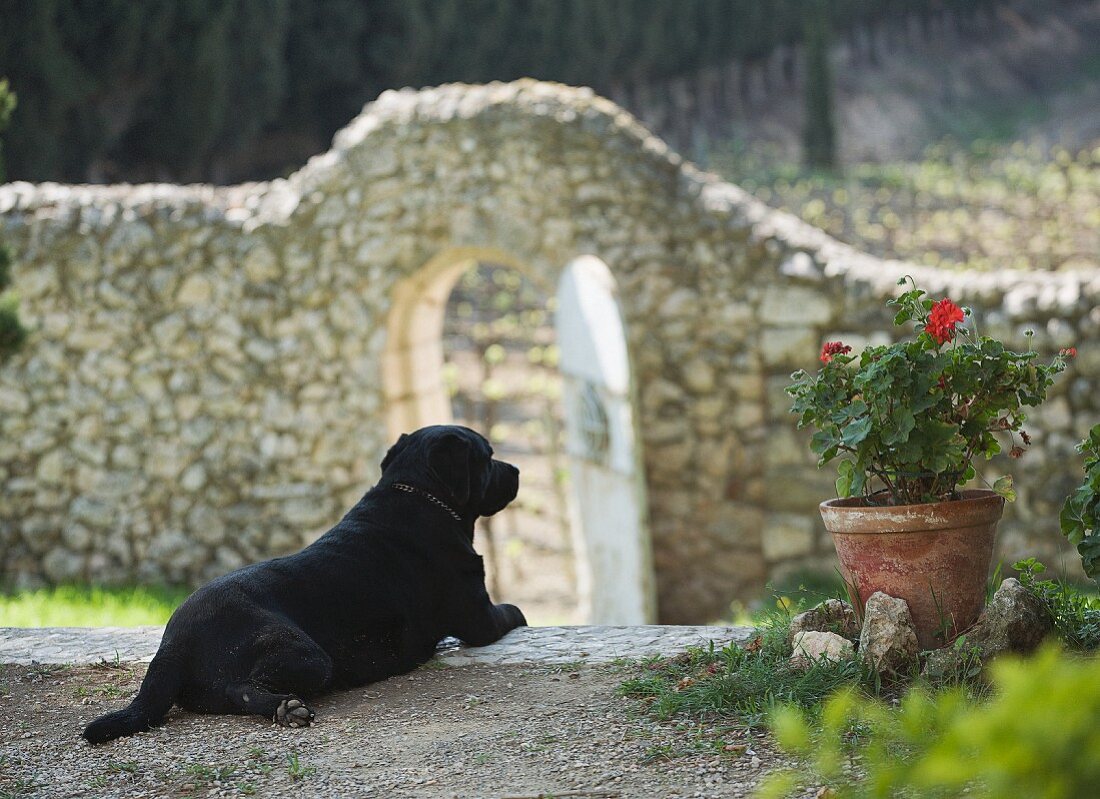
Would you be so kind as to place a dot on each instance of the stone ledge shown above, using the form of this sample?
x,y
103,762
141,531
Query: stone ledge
x,y
535,645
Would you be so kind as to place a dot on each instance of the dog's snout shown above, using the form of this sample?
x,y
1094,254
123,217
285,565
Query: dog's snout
x,y
502,489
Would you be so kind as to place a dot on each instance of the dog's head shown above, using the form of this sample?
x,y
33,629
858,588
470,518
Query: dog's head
x,y
457,463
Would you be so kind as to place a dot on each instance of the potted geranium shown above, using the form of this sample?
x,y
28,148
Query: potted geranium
x,y
906,422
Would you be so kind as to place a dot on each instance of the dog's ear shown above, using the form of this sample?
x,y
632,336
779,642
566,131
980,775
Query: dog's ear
x,y
394,450
449,461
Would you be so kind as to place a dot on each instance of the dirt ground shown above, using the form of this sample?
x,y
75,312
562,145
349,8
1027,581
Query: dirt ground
x,y
476,731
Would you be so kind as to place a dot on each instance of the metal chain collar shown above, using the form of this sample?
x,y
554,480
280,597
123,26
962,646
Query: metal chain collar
x,y
408,489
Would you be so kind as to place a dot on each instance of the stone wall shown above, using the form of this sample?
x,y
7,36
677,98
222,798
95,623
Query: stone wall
x,y
206,379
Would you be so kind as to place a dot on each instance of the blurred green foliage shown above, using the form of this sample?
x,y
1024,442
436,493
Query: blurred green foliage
x,y
182,89
985,206
89,606
1035,737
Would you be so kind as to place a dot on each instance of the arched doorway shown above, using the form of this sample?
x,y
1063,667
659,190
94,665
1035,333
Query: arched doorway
x,y
501,374
614,581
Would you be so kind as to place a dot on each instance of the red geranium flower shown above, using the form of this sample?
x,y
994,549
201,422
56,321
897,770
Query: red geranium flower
x,y
832,348
942,320
1068,352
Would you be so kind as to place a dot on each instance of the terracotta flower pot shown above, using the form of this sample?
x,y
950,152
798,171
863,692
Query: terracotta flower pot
x,y
935,556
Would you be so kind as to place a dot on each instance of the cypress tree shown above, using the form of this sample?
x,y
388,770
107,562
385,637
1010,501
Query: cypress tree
x,y
819,131
11,331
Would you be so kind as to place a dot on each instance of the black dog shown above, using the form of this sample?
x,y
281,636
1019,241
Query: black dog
x,y
369,599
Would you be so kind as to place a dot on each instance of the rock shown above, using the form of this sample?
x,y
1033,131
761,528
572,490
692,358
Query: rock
x,y
206,525
888,640
810,646
193,478
93,512
1014,621
788,535
698,376
832,615
785,305
14,401
76,536
196,290
791,347
51,468
62,566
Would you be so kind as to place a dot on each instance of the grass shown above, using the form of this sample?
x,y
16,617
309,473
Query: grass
x,y
205,773
1076,612
743,684
89,606
832,704
296,770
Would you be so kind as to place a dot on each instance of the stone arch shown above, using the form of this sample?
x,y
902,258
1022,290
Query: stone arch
x,y
412,357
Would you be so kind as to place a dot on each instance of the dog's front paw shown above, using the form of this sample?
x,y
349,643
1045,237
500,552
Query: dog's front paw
x,y
294,712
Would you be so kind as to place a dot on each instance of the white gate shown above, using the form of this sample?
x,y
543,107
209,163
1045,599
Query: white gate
x,y
607,512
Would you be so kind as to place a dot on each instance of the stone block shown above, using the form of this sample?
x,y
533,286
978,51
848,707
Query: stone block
x,y
888,640
196,290
832,615
698,376
810,646
96,514
790,347
76,536
787,535
795,306
62,565
798,488
51,468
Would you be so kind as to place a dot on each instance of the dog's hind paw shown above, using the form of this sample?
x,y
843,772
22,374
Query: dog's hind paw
x,y
293,713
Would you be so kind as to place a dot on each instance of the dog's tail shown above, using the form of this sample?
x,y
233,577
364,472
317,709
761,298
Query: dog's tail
x,y
158,693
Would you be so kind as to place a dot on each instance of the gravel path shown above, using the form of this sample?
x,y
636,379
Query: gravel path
x,y
454,728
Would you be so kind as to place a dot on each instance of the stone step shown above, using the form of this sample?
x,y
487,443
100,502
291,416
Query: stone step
x,y
545,645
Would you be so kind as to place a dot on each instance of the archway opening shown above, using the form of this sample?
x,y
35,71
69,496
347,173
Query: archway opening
x,y
471,339
501,375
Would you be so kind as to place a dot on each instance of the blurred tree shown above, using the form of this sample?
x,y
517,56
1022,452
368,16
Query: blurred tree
x,y
188,89
819,130
12,332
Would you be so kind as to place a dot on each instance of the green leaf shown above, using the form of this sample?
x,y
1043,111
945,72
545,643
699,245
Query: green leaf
x,y
1003,487
856,431
1072,520
940,446
822,442
1090,556
898,427
845,472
